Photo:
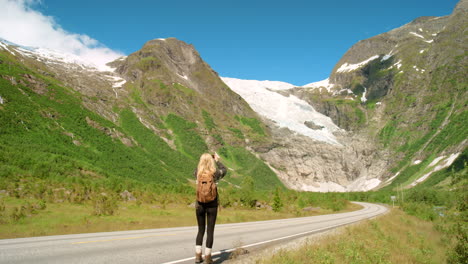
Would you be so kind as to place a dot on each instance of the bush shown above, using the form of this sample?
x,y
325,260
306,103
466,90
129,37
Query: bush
x,y
277,203
247,192
104,204
459,255
421,210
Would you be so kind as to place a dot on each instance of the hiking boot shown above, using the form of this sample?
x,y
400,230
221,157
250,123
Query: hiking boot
x,y
208,259
198,258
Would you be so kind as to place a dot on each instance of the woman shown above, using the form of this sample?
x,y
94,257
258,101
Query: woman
x,y
207,212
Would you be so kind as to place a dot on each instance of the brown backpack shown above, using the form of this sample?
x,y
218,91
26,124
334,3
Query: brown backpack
x,y
206,188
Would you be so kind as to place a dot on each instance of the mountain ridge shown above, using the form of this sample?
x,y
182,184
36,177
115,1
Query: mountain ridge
x,y
390,101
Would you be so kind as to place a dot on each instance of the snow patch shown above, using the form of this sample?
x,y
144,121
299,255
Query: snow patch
x,y
119,84
378,103
346,67
286,111
386,57
5,47
421,51
419,70
420,29
436,160
417,35
442,165
363,184
323,187
183,76
363,97
1,100
321,84
117,81
448,161
416,162
397,64
260,85
393,177
56,57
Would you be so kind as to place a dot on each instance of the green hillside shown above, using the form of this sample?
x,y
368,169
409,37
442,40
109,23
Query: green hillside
x,y
48,134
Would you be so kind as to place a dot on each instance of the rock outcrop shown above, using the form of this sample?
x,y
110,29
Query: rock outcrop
x,y
309,165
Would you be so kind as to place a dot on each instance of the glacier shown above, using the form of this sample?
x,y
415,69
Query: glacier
x,y
286,111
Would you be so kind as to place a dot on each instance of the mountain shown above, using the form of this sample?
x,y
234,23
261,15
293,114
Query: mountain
x,y
392,113
308,151
403,93
142,121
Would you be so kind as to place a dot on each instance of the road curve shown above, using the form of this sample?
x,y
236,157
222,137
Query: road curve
x,y
170,245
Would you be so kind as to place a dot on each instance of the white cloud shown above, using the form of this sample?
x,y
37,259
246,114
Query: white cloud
x,y
21,24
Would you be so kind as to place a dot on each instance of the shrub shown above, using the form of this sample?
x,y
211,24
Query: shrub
x,y
247,192
421,210
459,255
277,203
104,204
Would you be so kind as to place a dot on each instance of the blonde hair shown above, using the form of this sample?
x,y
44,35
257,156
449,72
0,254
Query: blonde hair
x,y
206,164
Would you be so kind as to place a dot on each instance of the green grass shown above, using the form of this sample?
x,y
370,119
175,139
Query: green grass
x,y
209,123
253,123
53,136
246,164
187,139
392,238
166,210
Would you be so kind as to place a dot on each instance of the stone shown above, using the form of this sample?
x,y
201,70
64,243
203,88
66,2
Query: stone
x,y
127,196
312,125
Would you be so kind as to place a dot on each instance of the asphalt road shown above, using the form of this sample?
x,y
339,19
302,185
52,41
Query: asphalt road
x,y
170,245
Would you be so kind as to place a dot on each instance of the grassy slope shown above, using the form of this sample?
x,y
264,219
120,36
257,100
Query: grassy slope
x,y
51,135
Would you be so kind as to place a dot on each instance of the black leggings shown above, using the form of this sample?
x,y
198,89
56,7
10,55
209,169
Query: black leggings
x,y
203,212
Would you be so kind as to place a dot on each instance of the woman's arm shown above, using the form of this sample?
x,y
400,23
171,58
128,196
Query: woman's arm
x,y
221,171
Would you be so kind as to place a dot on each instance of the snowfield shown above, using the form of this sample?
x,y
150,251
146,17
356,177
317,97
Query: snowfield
x,y
346,67
321,84
286,111
362,185
54,57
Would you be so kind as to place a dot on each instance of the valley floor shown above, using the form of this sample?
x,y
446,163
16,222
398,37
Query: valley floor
x,y
70,218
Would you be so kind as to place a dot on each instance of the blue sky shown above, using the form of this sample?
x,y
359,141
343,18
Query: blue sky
x,y
294,41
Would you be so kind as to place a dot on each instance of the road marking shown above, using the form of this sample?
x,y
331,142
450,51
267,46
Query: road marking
x,y
276,239
125,238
